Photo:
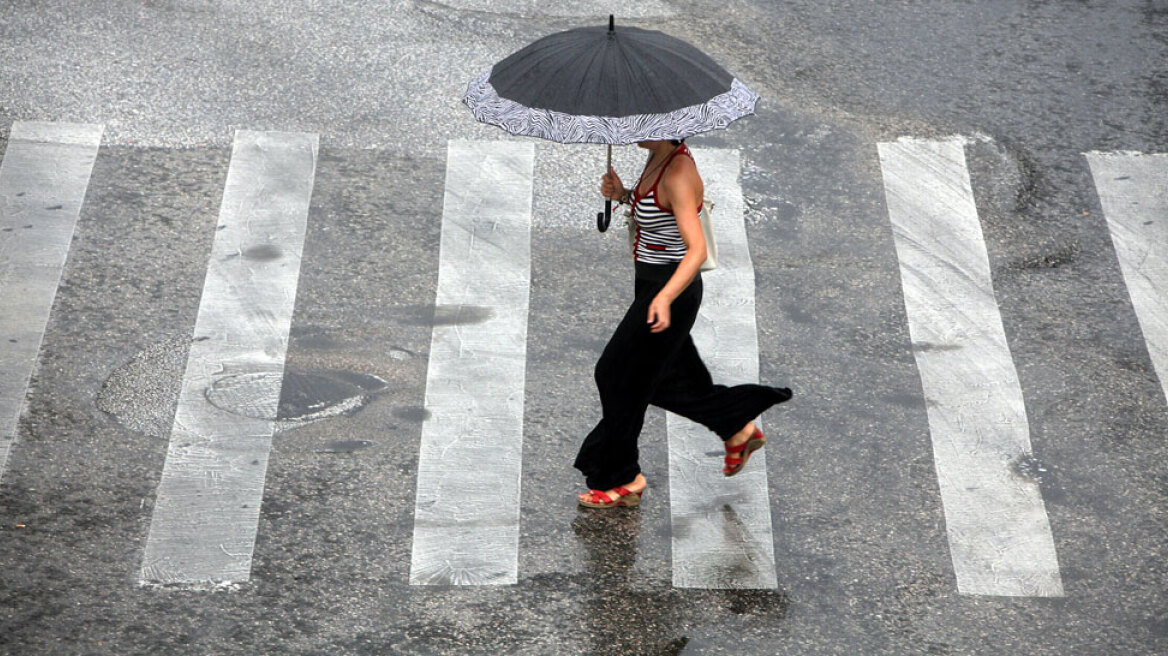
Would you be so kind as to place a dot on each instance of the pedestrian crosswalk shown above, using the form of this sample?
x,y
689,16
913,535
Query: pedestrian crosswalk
x,y
999,534
722,535
1133,190
208,504
43,178
466,521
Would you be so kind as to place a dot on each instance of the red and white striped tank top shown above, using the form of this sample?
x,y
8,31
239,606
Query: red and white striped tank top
x,y
657,239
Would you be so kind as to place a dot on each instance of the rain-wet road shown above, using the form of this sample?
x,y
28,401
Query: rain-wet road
x,y
246,216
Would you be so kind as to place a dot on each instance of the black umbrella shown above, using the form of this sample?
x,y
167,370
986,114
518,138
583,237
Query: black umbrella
x,y
597,85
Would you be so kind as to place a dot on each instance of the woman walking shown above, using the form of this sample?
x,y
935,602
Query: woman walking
x,y
651,358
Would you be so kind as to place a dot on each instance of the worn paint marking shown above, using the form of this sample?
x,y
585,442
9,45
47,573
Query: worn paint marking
x,y
999,535
466,519
205,518
43,179
722,536
1133,190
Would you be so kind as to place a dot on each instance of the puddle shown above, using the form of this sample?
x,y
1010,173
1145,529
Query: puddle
x,y
445,315
412,414
263,253
1030,468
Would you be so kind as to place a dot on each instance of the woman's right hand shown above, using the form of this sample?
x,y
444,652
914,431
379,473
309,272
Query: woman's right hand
x,y
611,187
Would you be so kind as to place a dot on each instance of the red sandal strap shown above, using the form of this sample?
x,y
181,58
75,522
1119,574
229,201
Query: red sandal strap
x,y
736,449
622,491
598,496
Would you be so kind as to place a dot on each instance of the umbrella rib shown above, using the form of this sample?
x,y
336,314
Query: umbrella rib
x,y
653,53
581,90
534,64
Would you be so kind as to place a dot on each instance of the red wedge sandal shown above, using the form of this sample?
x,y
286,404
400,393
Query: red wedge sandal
x,y
600,499
736,456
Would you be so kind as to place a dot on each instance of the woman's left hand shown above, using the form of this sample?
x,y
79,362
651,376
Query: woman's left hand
x,y
659,314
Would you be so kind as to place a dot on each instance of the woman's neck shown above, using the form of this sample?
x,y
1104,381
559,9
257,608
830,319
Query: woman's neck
x,y
660,150
658,153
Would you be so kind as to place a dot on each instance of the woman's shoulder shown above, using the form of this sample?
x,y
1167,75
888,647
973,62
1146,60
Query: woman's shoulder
x,y
682,180
682,172
682,168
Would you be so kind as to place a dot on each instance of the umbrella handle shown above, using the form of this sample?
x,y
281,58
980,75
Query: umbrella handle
x,y
603,219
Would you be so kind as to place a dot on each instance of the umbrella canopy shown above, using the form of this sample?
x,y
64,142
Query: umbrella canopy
x,y
598,85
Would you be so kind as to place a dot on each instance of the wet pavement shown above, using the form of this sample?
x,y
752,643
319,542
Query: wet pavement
x,y
861,549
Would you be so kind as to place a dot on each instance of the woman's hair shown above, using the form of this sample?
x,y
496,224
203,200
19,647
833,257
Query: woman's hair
x,y
677,142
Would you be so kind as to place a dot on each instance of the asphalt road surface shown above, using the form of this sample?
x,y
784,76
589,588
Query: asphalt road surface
x,y
251,405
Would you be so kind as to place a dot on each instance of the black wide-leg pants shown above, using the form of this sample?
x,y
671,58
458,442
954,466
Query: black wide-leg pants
x,y
639,368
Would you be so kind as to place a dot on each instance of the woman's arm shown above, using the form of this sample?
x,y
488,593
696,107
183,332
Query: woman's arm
x,y
682,191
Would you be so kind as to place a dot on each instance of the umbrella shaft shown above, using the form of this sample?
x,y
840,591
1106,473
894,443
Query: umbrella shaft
x,y
605,217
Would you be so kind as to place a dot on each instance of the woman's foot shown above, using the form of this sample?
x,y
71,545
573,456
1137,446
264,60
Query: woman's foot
x,y
621,495
740,446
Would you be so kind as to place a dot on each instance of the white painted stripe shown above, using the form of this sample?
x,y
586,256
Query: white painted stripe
x,y
205,519
43,179
466,519
999,534
721,526
1133,190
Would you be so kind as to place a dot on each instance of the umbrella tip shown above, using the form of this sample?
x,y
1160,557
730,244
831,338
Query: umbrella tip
x,y
611,23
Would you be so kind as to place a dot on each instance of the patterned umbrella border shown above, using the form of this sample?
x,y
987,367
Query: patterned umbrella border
x,y
714,114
